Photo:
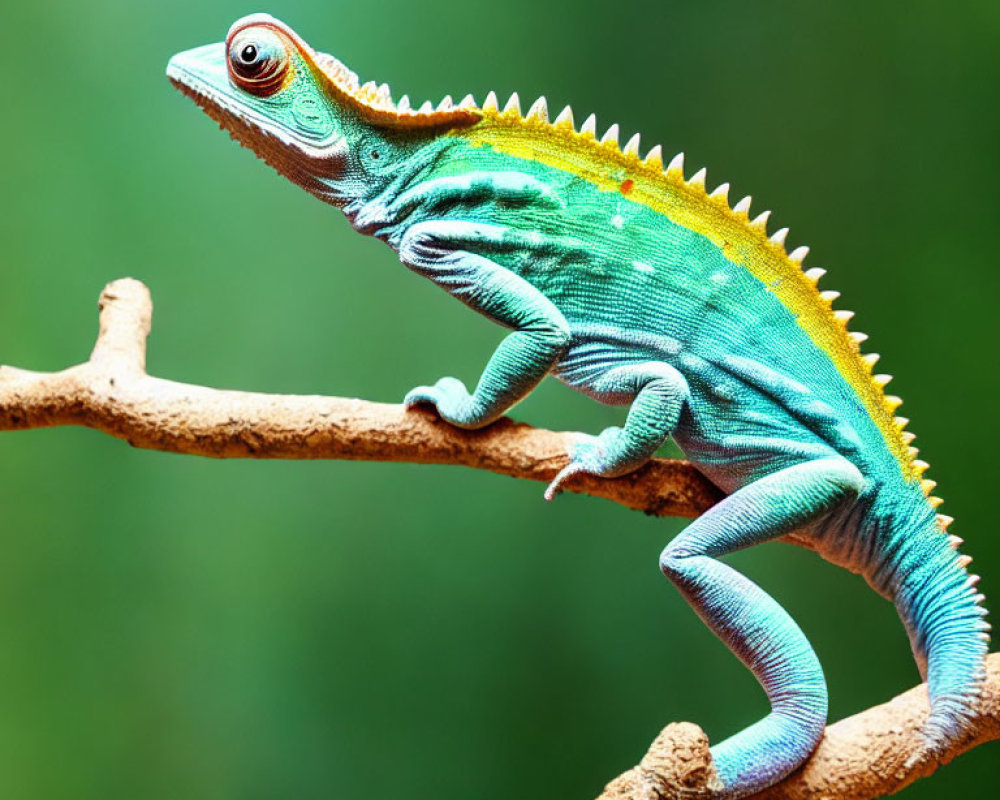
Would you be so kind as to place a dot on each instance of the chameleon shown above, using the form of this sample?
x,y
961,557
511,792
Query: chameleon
x,y
634,285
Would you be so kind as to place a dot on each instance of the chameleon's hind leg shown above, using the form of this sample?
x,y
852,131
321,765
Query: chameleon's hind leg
x,y
658,394
758,630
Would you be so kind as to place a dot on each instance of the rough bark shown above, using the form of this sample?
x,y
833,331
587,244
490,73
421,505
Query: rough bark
x,y
869,755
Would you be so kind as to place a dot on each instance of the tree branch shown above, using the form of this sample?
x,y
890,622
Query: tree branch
x,y
865,756
112,393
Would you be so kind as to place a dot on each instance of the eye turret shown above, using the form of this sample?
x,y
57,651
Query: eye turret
x,y
258,61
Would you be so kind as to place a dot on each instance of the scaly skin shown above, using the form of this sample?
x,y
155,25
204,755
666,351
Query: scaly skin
x,y
636,287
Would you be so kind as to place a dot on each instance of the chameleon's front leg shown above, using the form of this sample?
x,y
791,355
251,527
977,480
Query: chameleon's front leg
x,y
452,255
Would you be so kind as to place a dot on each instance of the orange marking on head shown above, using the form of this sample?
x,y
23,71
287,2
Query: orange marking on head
x,y
627,186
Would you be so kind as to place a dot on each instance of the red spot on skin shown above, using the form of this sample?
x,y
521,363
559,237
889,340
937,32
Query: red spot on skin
x,y
627,185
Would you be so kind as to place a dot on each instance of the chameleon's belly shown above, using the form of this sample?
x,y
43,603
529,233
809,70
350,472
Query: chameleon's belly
x,y
741,419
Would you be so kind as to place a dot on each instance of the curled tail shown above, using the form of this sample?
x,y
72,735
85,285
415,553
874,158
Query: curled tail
x,y
941,607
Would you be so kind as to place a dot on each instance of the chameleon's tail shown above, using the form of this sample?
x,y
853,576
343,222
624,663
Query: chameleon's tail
x,y
942,609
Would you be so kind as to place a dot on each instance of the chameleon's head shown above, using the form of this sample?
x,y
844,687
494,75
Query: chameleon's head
x,y
261,85
303,112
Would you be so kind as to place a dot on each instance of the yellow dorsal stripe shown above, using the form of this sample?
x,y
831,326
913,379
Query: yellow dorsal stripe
x,y
686,203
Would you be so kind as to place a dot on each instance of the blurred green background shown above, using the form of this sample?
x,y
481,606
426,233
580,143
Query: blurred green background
x,y
182,628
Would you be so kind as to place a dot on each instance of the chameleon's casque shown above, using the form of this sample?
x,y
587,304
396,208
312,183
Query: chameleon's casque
x,y
637,287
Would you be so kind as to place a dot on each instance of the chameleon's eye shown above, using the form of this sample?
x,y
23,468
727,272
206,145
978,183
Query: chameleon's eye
x,y
258,61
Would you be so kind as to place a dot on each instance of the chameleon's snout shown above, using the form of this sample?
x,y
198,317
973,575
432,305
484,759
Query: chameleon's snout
x,y
198,70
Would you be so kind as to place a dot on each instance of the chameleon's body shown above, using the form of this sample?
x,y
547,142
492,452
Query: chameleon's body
x,y
635,286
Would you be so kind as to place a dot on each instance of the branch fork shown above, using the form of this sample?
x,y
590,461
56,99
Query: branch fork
x,y
868,755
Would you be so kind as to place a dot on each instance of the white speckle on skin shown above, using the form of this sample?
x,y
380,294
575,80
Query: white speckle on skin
x,y
642,266
690,361
723,392
720,277
618,221
671,345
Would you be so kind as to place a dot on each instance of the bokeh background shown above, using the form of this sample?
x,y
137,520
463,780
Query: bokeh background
x,y
183,628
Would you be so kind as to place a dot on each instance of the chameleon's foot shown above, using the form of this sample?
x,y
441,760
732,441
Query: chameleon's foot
x,y
604,455
930,749
917,757
451,399
940,732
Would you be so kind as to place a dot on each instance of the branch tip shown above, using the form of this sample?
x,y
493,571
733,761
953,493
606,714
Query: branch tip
x,y
126,317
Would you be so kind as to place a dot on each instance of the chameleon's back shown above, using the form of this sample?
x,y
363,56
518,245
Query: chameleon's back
x,y
636,255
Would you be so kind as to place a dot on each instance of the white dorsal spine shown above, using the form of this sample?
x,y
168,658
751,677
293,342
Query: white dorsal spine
x,y
491,103
721,193
611,136
675,169
589,127
743,206
539,110
654,158
760,221
779,236
513,105
565,118
698,179
631,147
